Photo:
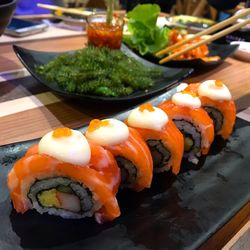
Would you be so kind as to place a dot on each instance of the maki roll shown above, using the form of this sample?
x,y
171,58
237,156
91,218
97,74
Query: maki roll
x,y
64,175
216,99
195,124
163,138
131,152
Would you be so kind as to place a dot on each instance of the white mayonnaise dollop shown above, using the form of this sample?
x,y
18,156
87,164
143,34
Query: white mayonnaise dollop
x,y
181,87
214,90
108,132
153,118
186,99
66,145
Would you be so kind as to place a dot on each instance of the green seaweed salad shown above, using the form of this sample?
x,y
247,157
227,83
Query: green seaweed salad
x,y
99,71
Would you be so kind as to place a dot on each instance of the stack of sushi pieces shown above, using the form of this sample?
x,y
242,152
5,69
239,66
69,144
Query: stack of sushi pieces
x,y
72,175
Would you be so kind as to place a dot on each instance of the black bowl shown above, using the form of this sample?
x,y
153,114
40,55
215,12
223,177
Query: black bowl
x,y
7,8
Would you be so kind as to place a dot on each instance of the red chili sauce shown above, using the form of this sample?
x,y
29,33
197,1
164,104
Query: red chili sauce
x,y
104,35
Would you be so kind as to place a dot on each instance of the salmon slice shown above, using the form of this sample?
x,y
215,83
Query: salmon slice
x,y
173,140
227,109
136,150
101,160
197,116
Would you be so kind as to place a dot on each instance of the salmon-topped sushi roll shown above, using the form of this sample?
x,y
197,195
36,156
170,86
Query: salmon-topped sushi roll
x,y
195,124
216,99
163,138
131,152
65,175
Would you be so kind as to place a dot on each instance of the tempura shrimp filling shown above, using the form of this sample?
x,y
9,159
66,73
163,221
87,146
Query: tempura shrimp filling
x,y
128,172
216,116
62,196
160,154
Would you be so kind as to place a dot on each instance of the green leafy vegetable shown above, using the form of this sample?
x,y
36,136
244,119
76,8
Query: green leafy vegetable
x,y
99,71
143,33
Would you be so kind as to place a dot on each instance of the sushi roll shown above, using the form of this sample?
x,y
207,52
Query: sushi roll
x,y
163,138
131,152
216,99
195,124
67,176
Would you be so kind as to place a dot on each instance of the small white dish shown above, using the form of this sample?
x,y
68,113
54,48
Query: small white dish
x,y
243,51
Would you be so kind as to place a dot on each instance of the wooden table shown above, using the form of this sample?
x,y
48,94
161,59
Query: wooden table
x,y
29,110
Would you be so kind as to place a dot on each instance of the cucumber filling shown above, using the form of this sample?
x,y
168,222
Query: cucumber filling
x,y
57,199
188,143
48,198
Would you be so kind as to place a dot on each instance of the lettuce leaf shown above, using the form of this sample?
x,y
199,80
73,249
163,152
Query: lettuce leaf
x,y
143,33
146,14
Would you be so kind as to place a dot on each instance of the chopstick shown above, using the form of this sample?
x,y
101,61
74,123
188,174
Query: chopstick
x,y
205,41
204,32
65,10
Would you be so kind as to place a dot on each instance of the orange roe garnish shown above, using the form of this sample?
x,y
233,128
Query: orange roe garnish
x,y
218,83
189,93
61,132
96,123
146,106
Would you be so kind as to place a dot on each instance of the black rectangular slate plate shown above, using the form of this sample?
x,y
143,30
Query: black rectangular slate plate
x,y
171,76
175,213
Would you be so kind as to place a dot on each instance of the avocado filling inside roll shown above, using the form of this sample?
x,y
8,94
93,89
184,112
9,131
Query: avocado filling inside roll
x,y
216,116
128,171
160,155
192,137
62,196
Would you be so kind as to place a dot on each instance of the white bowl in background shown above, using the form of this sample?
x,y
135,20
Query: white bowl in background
x,y
243,51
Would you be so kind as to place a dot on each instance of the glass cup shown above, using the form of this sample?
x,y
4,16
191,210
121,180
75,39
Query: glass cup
x,y
102,34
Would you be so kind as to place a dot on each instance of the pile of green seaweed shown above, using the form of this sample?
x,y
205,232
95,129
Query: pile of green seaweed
x,y
99,71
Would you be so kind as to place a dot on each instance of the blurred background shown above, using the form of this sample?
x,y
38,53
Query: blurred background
x,y
214,9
